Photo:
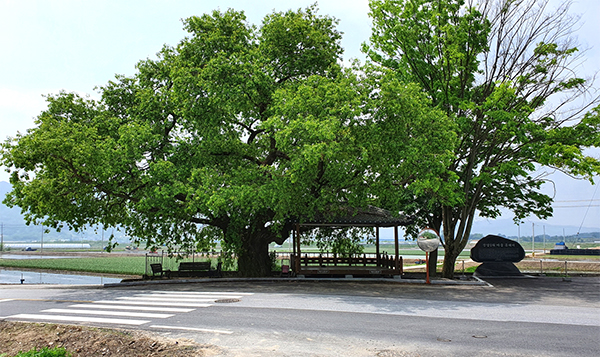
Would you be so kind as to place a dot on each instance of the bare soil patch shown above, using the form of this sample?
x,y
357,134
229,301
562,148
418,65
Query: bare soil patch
x,y
559,266
83,341
547,265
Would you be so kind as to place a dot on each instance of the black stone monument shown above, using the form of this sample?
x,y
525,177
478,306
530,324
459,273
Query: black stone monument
x,y
497,255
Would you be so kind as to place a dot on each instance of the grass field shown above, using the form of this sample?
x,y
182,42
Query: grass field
x,y
107,265
595,258
126,265
135,264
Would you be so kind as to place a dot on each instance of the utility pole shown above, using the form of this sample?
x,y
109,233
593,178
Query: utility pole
x,y
532,240
1,239
544,239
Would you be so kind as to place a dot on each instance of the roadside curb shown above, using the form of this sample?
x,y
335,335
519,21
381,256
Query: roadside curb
x,y
476,282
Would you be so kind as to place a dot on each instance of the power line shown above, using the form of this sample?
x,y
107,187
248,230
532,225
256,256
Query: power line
x,y
587,210
564,201
576,206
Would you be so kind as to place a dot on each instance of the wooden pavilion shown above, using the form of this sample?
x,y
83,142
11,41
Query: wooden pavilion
x,y
378,264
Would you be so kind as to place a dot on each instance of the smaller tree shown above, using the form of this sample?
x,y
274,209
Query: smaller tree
x,y
505,72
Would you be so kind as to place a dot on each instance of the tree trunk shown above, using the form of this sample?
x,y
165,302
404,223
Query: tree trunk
x,y
450,243
253,257
454,247
253,253
449,264
435,222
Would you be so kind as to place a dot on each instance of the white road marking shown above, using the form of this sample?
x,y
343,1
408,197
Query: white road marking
x,y
205,296
100,320
110,313
138,298
225,332
132,307
224,293
155,303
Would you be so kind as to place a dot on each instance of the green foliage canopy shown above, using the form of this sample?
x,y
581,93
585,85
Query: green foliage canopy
x,y
226,136
504,72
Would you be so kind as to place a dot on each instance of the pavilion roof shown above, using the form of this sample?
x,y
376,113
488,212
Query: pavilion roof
x,y
370,216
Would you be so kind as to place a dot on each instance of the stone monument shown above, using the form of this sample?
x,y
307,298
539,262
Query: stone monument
x,y
497,255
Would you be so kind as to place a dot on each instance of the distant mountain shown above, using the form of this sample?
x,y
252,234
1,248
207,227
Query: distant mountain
x,y
15,229
507,227
9,215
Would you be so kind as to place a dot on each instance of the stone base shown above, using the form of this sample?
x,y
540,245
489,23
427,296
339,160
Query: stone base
x,y
497,269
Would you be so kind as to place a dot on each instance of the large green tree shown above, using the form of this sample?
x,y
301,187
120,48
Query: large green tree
x,y
225,136
505,72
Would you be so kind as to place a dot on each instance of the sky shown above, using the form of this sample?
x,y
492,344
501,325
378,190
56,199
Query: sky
x,y
51,45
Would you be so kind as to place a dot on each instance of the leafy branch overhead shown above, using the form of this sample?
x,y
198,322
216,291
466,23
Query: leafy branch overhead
x,y
226,136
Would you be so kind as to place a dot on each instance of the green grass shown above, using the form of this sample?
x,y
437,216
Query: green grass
x,y
105,265
109,265
569,257
135,265
44,352
467,270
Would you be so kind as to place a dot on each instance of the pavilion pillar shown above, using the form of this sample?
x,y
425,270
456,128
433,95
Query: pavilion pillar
x,y
377,246
397,248
298,252
293,253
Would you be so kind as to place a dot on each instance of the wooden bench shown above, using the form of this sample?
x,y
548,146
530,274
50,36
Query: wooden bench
x,y
198,269
157,269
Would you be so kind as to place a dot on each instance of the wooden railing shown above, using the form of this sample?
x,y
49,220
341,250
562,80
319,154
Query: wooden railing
x,y
358,260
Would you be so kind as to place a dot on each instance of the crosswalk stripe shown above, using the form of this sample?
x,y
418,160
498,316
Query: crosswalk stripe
x,y
210,297
132,307
155,303
113,313
225,293
138,298
101,320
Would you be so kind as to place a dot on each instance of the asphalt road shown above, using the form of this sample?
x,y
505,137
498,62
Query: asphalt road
x,y
513,317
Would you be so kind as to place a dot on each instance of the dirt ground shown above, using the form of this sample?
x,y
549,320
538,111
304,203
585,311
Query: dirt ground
x,y
546,266
534,266
86,341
